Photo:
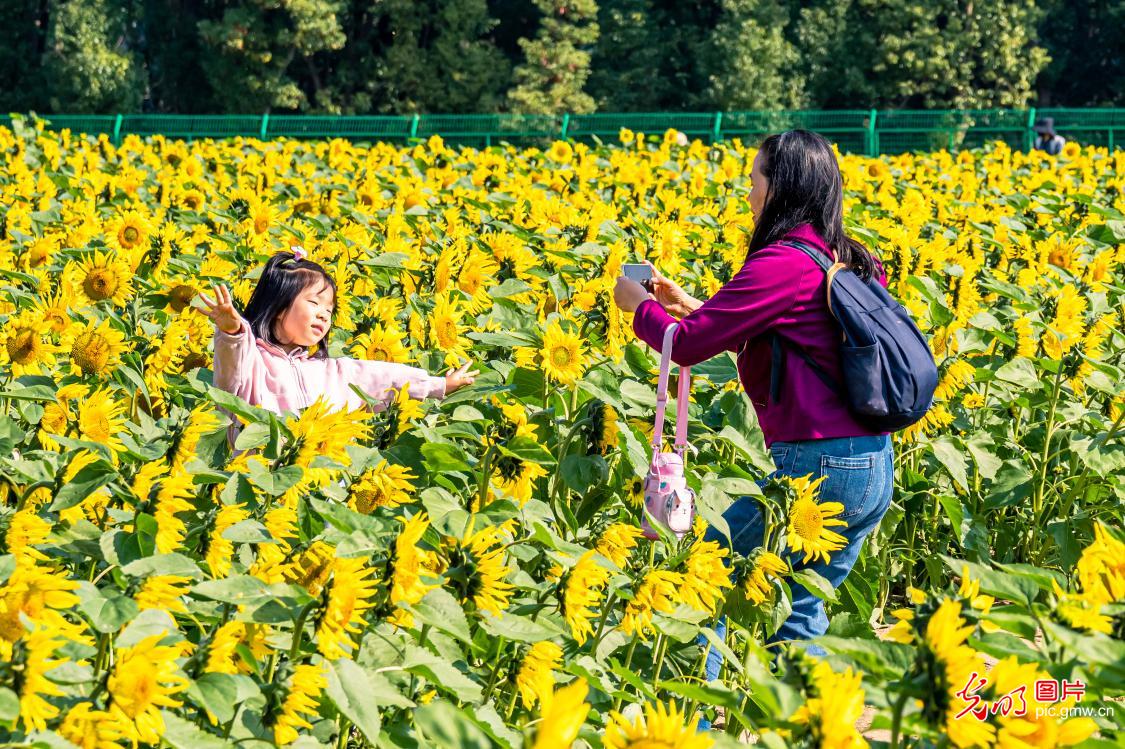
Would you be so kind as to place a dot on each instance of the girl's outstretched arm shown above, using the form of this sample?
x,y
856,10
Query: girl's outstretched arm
x,y
378,378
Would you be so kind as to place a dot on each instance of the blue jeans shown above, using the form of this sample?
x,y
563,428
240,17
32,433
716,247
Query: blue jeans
x,y
859,475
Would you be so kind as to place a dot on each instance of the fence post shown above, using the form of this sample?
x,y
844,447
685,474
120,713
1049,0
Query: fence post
x,y
414,126
871,115
717,128
565,126
1028,138
265,124
117,130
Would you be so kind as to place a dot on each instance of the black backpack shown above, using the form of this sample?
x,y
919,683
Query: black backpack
x,y
889,371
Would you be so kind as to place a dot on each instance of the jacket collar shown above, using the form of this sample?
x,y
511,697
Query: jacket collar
x,y
298,353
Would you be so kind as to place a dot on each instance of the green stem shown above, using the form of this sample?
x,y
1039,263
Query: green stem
x,y
498,662
661,649
628,662
298,631
345,729
896,721
1037,503
511,705
601,622
486,474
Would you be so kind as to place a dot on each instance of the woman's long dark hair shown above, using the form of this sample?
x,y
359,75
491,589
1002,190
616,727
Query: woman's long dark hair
x,y
805,187
282,280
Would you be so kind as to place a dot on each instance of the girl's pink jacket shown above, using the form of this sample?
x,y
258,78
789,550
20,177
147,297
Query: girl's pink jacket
x,y
264,375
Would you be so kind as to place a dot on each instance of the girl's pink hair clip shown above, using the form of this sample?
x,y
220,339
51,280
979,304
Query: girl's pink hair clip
x,y
299,252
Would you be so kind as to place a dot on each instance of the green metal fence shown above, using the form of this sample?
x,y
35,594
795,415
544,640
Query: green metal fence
x,y
867,131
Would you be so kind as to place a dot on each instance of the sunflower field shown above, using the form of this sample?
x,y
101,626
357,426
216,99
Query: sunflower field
x,y
469,572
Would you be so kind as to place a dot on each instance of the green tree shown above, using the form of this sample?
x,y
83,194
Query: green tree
x,y
422,56
901,53
257,51
1087,47
748,60
87,65
556,65
628,68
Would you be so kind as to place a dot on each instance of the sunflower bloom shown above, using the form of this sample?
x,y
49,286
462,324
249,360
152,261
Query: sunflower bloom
x,y
660,726
659,591
757,585
809,522
563,358
582,596
349,597
220,551
385,485
305,687
105,278
706,576
145,678
88,728
408,565
618,541
535,678
165,592
96,348
35,653
563,714
171,500
832,713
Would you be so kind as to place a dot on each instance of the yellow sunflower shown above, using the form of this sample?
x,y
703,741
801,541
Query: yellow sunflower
x,y
582,595
381,343
385,485
563,357
446,329
663,726
95,347
101,419
25,346
104,277
564,712
127,232
809,522
757,585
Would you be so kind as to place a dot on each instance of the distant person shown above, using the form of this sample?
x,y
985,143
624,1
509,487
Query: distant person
x,y
1048,140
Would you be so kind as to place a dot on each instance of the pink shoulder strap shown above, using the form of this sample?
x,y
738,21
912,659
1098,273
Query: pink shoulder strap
x,y
662,396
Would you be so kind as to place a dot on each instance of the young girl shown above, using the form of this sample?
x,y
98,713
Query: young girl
x,y
796,194
263,357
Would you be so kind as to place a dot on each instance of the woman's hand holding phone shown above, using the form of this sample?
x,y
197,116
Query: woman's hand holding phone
x,y
671,296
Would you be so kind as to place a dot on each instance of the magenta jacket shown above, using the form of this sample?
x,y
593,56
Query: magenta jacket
x,y
264,375
778,288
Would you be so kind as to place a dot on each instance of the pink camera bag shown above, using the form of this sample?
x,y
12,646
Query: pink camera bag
x,y
668,498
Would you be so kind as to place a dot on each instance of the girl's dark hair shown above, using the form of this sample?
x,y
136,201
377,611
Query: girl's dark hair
x,y
283,278
805,187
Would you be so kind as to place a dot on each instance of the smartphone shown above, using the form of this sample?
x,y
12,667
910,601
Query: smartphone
x,y
638,272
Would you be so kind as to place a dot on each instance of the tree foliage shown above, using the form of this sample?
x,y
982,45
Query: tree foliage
x,y
552,56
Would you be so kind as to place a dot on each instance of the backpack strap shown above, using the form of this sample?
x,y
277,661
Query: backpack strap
x,y
779,342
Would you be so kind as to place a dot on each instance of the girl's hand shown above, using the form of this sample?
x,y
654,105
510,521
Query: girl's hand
x,y
671,296
628,294
459,378
221,311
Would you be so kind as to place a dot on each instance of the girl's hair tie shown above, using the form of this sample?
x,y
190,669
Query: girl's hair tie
x,y
299,252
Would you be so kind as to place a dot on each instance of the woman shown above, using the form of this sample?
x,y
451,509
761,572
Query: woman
x,y
796,194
